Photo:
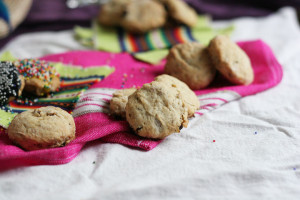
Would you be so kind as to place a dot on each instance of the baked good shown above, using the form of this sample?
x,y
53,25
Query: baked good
x,y
41,128
230,60
118,102
156,111
41,78
11,82
180,12
143,15
112,12
190,63
189,98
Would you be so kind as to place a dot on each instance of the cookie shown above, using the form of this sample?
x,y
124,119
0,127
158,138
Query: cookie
x,y
156,111
112,12
118,102
143,15
190,63
11,82
189,98
42,128
180,12
41,78
230,60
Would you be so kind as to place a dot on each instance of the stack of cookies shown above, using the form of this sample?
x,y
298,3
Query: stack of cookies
x,y
140,16
163,106
157,109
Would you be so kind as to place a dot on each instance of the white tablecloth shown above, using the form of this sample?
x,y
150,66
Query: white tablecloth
x,y
256,153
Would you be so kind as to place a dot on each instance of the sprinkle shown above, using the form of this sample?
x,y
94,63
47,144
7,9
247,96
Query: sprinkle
x,y
94,162
294,168
255,133
214,140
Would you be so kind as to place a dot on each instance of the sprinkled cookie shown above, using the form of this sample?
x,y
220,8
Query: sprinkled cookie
x,y
42,128
180,11
190,63
41,77
230,60
189,98
11,83
112,12
118,102
143,15
156,111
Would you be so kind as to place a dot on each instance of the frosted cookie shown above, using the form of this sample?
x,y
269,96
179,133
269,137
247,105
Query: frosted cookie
x,y
112,12
156,111
143,15
190,63
189,98
41,78
230,60
118,102
41,128
180,12
11,83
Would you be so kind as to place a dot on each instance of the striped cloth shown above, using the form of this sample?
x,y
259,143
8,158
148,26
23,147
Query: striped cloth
x,y
118,40
74,81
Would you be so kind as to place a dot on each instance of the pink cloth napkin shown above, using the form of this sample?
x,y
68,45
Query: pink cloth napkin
x,y
90,114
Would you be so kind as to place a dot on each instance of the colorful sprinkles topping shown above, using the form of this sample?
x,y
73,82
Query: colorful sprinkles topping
x,y
10,82
35,68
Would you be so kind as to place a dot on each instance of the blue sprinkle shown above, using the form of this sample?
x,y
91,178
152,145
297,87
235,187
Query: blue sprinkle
x,y
294,168
255,133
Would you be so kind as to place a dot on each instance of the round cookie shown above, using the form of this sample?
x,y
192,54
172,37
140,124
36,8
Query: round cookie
x,y
112,12
118,102
230,60
190,63
189,98
180,12
156,111
42,128
11,83
143,15
41,78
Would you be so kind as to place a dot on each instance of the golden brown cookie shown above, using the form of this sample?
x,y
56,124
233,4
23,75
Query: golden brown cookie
x,y
112,12
156,111
41,78
118,102
189,98
143,15
190,63
180,12
42,128
11,82
231,60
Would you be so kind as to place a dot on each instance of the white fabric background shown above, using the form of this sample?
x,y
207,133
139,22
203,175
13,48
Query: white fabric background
x,y
238,165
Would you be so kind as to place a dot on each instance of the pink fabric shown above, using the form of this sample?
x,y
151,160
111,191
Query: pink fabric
x,y
130,73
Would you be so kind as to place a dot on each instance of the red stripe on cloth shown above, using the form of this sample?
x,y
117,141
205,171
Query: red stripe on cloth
x,y
133,43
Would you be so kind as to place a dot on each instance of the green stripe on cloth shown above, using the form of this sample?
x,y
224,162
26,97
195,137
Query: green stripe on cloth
x,y
71,71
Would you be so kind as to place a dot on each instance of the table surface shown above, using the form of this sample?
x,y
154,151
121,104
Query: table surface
x,y
255,154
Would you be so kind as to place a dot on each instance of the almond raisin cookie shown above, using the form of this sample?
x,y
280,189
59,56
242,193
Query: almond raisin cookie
x,y
41,78
230,60
143,15
190,63
118,102
189,98
180,11
156,111
112,12
42,128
